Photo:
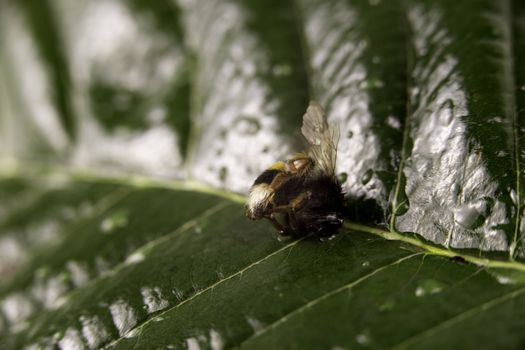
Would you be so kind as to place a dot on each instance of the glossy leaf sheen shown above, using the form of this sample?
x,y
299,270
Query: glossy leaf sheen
x,y
211,277
429,99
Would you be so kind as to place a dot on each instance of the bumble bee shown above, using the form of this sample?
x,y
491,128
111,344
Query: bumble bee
x,y
303,191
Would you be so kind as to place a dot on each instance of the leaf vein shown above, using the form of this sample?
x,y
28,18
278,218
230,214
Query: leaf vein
x,y
207,289
407,343
325,296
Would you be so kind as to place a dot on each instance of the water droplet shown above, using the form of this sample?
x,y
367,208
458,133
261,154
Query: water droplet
x,y
327,238
472,214
134,258
429,287
367,176
374,2
223,173
365,263
504,279
466,216
247,125
376,59
114,221
393,122
364,338
514,197
342,178
153,299
508,277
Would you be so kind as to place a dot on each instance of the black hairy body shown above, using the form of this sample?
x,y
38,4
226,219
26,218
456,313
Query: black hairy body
x,y
320,212
305,202
266,177
302,195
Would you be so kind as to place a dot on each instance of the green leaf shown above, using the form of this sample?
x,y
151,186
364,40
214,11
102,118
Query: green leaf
x,y
103,101
136,275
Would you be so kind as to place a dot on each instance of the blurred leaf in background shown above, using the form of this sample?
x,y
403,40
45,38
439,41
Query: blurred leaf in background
x,y
130,130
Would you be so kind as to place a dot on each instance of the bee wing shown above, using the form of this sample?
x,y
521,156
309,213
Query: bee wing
x,y
321,137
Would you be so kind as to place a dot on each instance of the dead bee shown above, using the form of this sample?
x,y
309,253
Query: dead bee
x,y
303,190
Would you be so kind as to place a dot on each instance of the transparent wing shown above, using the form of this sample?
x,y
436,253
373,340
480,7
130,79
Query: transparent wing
x,y
321,137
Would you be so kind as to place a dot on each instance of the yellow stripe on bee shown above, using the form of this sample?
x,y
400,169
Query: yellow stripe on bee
x,y
277,166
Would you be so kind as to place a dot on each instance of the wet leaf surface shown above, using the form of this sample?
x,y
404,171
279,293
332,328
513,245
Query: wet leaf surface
x,y
172,268
429,100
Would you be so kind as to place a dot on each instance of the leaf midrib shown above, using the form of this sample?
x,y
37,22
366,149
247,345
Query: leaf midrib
x,y
196,186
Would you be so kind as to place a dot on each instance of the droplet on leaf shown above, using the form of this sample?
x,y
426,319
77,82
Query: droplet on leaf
x,y
367,176
429,287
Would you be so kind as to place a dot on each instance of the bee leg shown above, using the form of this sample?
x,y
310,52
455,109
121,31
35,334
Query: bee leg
x,y
285,228
289,224
289,211
292,219
282,229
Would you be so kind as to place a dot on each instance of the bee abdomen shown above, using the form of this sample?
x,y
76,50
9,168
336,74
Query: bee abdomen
x,y
324,211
